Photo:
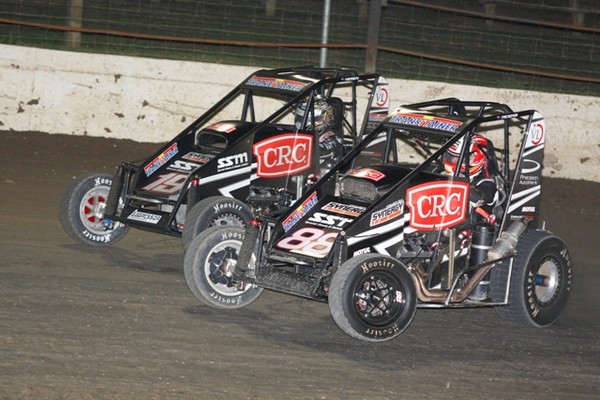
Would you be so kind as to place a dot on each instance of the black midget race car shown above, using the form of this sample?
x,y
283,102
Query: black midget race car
x,y
431,209
269,138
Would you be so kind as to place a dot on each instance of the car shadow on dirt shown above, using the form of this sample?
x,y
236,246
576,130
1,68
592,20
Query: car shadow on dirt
x,y
164,262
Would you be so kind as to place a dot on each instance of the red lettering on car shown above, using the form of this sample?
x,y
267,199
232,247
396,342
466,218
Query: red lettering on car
x,y
438,205
283,155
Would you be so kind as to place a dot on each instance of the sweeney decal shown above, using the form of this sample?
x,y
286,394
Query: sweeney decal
x,y
283,155
161,159
142,216
300,212
437,205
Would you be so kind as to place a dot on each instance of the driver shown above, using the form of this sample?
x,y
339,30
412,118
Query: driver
x,y
328,114
486,184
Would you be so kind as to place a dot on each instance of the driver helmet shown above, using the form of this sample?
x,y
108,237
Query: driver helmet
x,y
323,111
477,157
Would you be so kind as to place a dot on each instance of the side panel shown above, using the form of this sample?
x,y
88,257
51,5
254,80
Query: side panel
x,y
312,228
525,194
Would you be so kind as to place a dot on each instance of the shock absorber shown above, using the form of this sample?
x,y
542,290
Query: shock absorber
x,y
248,245
482,241
114,194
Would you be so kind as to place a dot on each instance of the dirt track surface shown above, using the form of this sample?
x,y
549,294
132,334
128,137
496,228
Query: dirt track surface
x,y
119,323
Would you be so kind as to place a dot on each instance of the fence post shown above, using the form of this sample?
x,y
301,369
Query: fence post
x,y
373,36
74,16
325,32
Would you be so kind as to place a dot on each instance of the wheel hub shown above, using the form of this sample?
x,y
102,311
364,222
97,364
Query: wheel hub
x,y
377,299
546,281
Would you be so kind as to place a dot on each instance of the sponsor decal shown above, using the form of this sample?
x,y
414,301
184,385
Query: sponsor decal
x,y
536,134
358,252
437,205
161,159
328,220
522,197
275,83
368,173
528,209
198,157
426,121
183,166
377,117
300,211
232,162
390,212
283,155
224,127
381,98
344,209
142,216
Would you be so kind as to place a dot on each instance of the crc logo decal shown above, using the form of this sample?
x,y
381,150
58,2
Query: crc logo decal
x,y
437,205
283,155
368,173
223,127
232,162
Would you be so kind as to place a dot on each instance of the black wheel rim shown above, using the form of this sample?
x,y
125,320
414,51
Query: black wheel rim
x,y
379,298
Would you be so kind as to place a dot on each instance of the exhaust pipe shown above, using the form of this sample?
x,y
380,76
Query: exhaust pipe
x,y
504,246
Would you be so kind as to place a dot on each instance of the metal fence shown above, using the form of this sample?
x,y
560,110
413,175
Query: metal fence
x,y
546,45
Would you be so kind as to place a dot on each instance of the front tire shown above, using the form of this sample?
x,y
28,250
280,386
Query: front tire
x,y
540,282
82,211
214,211
372,298
205,269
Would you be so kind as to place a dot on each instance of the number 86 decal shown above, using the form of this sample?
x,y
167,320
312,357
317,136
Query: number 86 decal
x,y
310,241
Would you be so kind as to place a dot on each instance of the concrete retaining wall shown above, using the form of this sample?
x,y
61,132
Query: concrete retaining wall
x,y
152,100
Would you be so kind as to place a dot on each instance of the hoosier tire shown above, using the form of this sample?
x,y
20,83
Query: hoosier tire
x,y
214,211
204,271
372,298
82,211
540,281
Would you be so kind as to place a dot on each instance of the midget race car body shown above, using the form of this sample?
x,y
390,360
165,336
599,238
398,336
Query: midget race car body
x,y
390,229
252,142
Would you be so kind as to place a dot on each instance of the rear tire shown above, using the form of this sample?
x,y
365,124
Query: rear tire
x,y
372,298
540,282
214,211
82,211
204,274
